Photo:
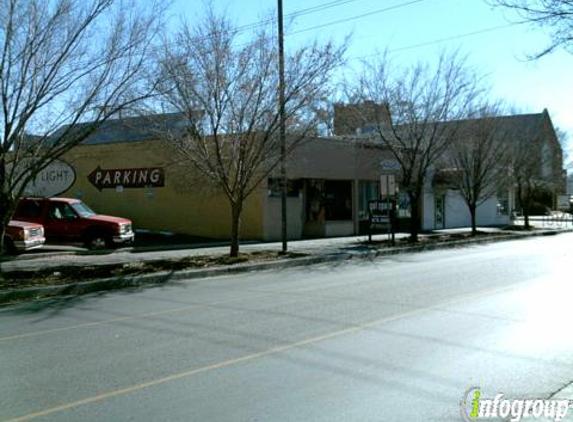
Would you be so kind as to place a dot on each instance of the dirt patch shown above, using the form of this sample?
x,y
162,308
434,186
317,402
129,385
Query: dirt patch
x,y
433,238
519,228
73,274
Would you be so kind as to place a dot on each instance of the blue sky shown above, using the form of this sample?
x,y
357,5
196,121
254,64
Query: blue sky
x,y
410,30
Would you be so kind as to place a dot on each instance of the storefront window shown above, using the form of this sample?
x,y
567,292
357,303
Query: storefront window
x,y
367,191
329,200
315,200
502,203
403,205
338,199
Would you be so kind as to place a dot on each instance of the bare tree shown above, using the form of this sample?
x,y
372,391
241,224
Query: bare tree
x,y
62,63
524,168
419,100
557,15
564,138
476,164
225,88
536,164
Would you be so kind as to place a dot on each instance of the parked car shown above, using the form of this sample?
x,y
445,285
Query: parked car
x,y
22,236
70,220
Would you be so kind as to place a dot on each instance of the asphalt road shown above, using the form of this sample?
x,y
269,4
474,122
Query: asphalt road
x,y
396,339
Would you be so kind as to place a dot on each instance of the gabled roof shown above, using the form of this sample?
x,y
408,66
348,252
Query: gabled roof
x,y
150,128
517,126
147,128
126,129
134,129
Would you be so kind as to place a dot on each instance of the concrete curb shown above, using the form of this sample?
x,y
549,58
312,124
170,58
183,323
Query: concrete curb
x,y
31,293
114,283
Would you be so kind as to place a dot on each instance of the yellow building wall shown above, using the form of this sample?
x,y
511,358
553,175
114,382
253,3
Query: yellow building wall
x,y
185,205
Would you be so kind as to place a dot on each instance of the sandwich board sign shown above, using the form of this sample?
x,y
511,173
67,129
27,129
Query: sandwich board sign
x,y
379,212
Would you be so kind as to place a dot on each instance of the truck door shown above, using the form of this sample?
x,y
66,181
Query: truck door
x,y
59,221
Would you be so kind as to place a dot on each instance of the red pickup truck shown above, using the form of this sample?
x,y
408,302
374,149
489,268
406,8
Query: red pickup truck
x,y
22,236
70,220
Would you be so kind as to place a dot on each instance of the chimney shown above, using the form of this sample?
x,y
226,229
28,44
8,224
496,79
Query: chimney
x,y
352,119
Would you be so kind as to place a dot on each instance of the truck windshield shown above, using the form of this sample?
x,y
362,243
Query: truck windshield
x,y
83,210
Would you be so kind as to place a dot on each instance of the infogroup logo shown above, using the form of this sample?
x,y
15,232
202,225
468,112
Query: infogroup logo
x,y
475,407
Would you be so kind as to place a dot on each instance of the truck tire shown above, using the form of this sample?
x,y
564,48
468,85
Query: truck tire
x,y
97,241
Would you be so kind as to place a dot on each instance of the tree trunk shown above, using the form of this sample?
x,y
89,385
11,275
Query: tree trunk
x,y
523,203
473,208
526,201
415,218
526,217
236,209
2,237
3,203
6,210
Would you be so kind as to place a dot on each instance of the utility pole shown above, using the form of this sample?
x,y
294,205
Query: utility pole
x,y
282,128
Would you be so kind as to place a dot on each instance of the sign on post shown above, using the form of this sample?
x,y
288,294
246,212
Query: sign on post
x,y
379,212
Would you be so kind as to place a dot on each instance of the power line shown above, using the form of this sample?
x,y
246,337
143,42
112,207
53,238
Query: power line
x,y
313,9
336,3
318,8
292,15
459,36
441,40
356,17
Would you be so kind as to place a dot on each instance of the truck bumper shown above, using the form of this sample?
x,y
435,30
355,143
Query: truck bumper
x,y
124,238
26,245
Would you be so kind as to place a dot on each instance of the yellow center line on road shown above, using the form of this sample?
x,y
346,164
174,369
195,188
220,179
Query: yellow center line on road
x,y
253,356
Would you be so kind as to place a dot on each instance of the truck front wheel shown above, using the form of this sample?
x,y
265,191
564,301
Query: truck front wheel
x,y
97,241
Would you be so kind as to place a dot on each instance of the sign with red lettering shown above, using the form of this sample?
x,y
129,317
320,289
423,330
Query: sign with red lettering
x,y
127,178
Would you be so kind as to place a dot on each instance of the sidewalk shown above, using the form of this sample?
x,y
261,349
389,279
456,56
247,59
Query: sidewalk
x,y
324,246
313,252
354,245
